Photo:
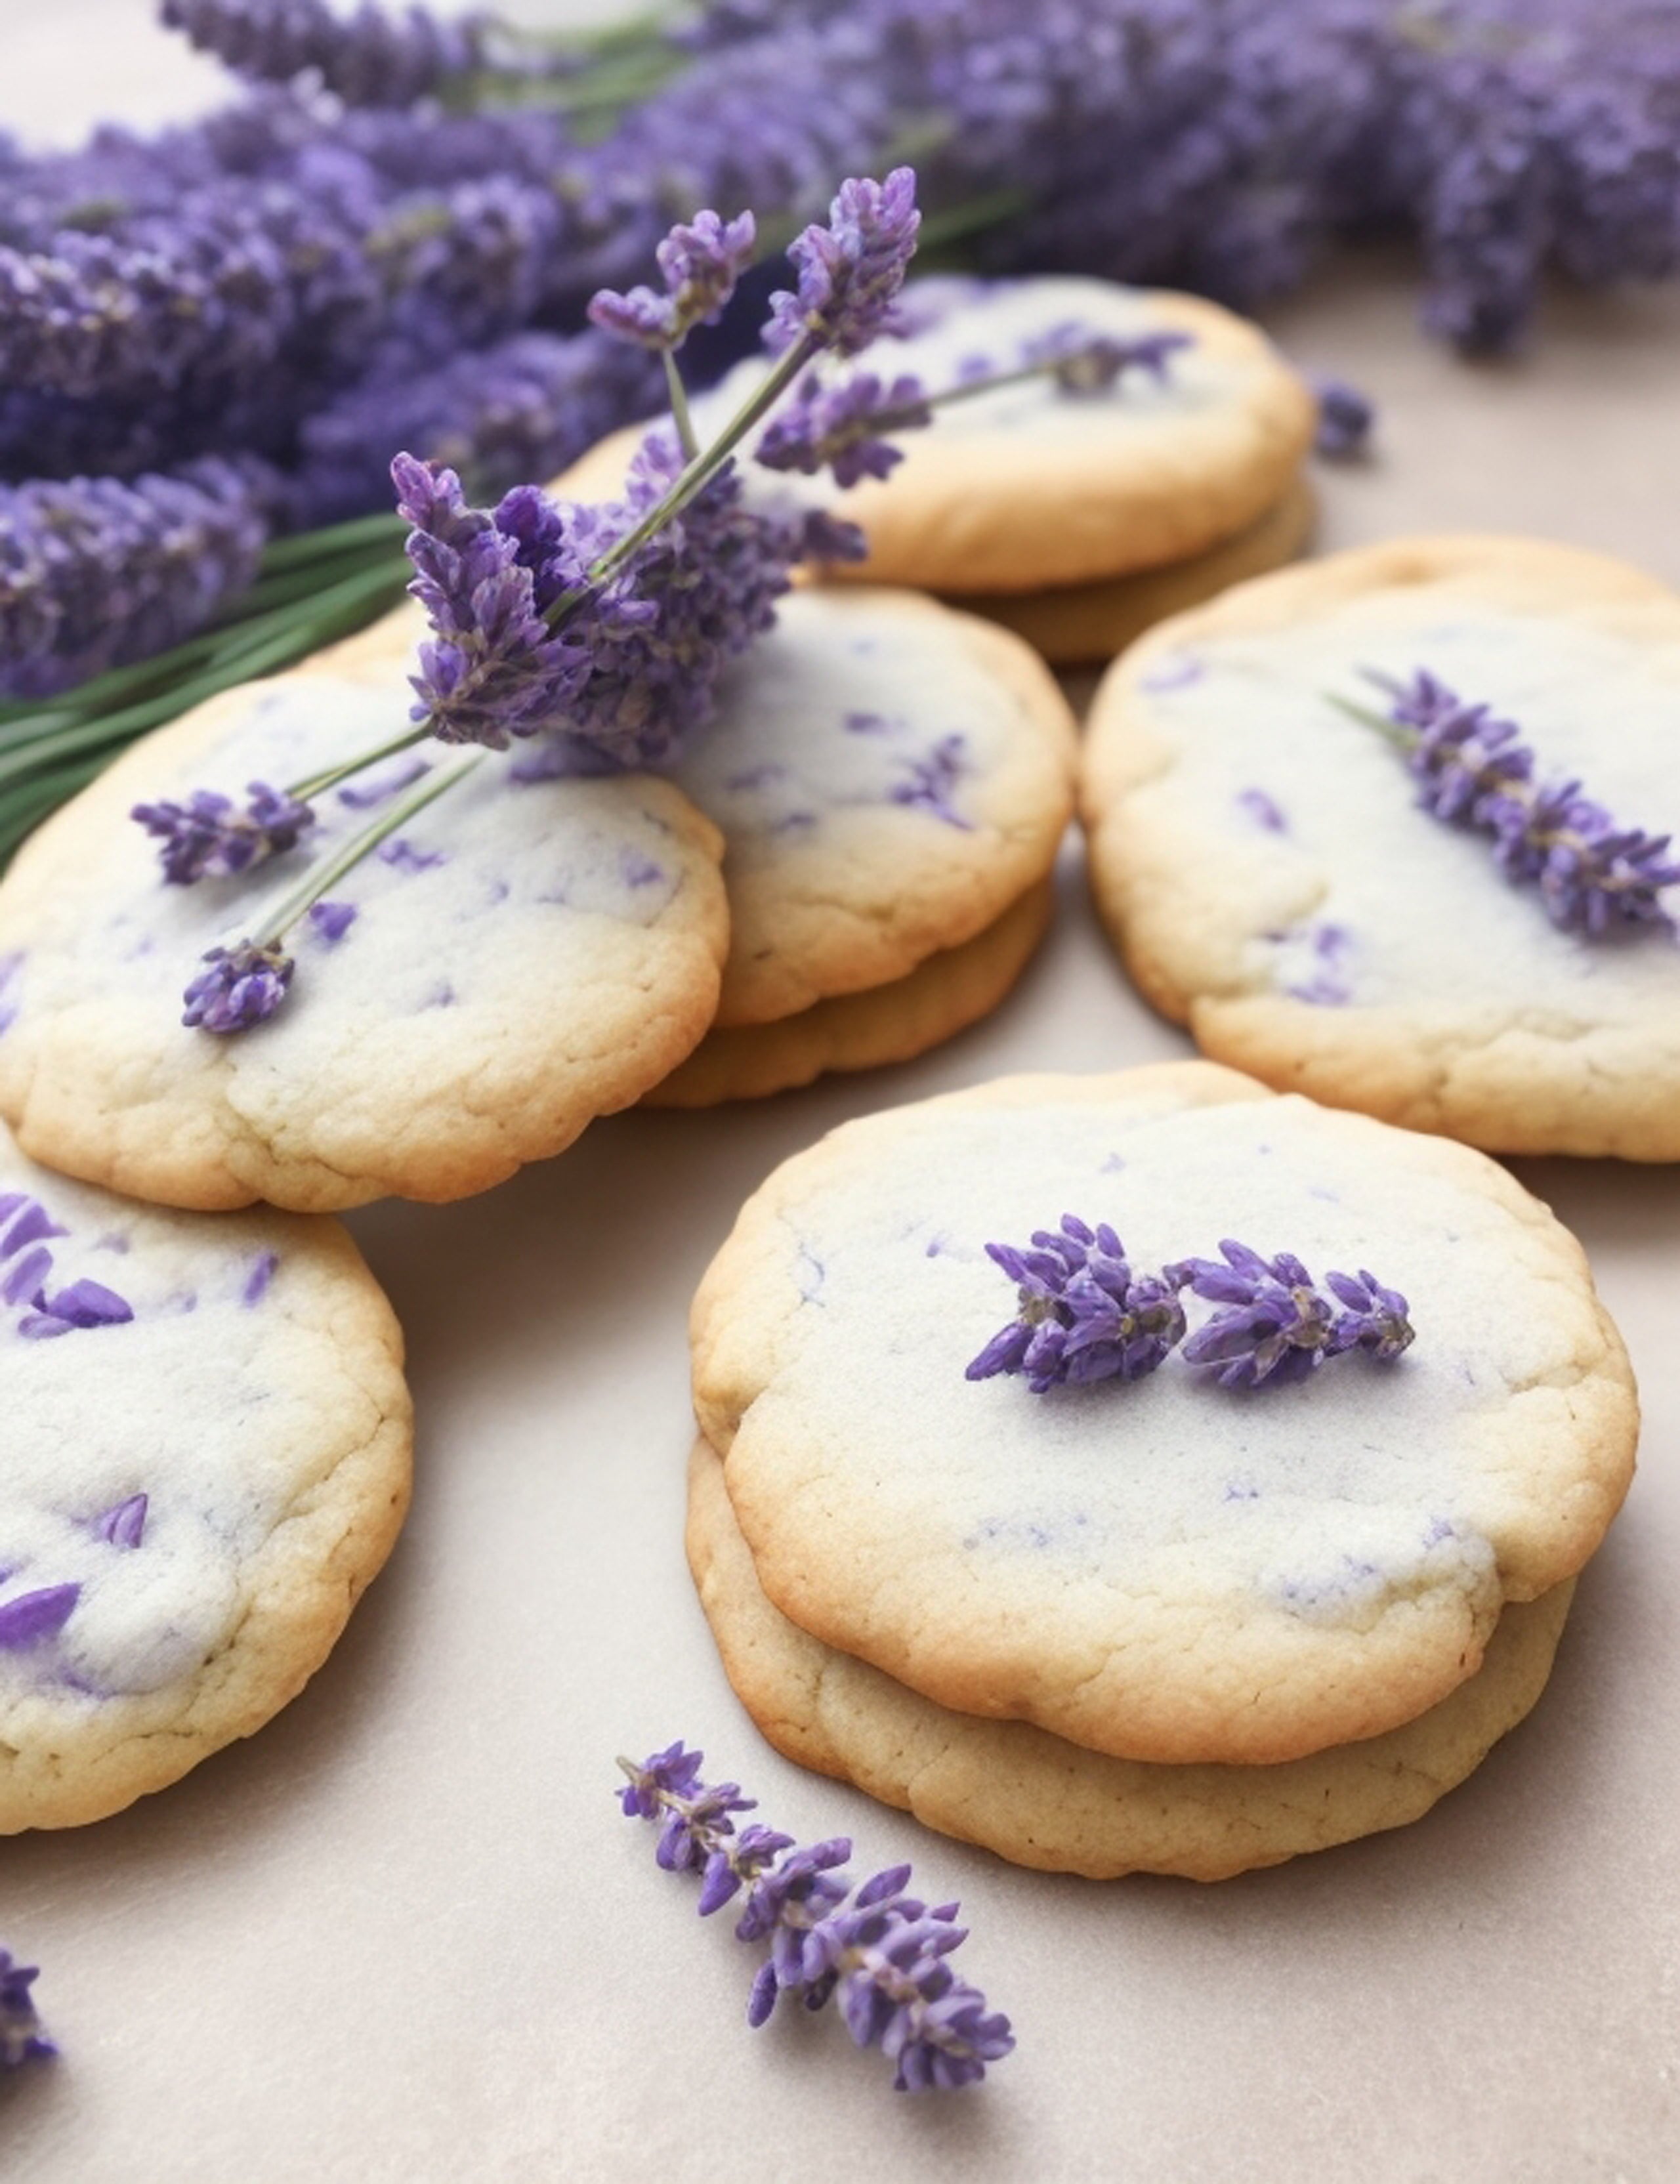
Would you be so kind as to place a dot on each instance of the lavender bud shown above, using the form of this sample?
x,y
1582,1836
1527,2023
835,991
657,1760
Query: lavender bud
x,y
1345,418
208,836
841,428
1083,1315
1275,1325
29,1617
242,987
1473,771
850,272
701,260
22,2037
1086,362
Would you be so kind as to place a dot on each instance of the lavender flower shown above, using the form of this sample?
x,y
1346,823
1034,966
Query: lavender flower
x,y
81,1304
26,1262
621,670
1274,1324
209,836
841,428
374,58
701,261
1086,362
1472,770
94,573
524,408
1345,417
882,1953
1083,1314
23,2038
243,985
851,270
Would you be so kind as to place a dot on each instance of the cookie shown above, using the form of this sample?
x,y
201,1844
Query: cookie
x,y
1080,623
891,780
207,1460
946,992
1271,880
1167,1569
1040,1802
1028,485
522,958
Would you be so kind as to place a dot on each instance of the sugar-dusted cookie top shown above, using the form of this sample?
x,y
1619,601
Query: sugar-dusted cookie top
x,y
1029,485
1266,864
1163,1568
520,958
889,777
207,1452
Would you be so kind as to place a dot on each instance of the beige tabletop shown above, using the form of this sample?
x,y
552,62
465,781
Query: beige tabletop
x,y
404,1933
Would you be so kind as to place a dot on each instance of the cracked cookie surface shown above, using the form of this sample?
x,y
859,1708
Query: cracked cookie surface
x,y
522,958
193,1497
1272,881
1040,1802
1166,1570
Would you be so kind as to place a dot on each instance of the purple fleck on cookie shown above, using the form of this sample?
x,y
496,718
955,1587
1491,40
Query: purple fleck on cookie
x,y
10,966
1177,671
400,855
33,1615
636,869
1329,984
375,787
125,1523
1263,811
932,779
261,1274
332,919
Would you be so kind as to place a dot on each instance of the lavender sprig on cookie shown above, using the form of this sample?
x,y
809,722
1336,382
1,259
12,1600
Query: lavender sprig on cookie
x,y
885,1954
1083,1314
1473,770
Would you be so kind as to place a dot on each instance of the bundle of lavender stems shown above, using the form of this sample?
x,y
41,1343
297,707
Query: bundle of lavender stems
x,y
214,339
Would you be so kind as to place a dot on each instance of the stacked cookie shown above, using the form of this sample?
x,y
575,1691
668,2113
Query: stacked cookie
x,y
1076,516
208,1445
1392,829
1192,1617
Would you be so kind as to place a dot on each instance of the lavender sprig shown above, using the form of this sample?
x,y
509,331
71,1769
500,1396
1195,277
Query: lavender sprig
x,y
23,2038
1473,770
884,1953
376,57
210,837
850,272
1275,1325
844,427
1082,1313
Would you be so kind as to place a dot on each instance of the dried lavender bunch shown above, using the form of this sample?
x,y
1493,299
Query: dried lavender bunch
x,y
1473,770
95,572
1275,1325
376,57
522,408
1082,1313
23,2038
884,1953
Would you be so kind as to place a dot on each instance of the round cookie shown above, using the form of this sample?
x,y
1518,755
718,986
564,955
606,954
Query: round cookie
x,y
524,957
1040,1802
1027,486
1080,623
1272,881
891,780
1165,1570
945,994
208,1458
